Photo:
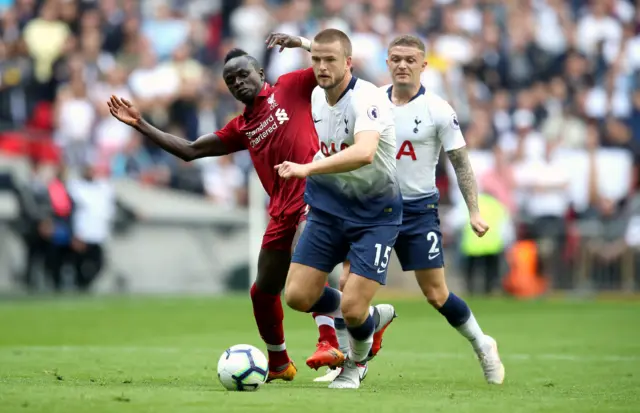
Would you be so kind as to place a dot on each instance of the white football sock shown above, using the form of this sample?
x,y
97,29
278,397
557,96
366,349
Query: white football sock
x,y
343,339
359,350
276,347
323,320
471,331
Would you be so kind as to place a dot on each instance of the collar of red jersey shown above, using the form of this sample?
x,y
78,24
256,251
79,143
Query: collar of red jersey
x,y
266,89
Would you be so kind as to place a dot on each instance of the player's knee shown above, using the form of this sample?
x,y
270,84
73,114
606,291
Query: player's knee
x,y
354,309
297,299
273,266
433,286
436,294
269,285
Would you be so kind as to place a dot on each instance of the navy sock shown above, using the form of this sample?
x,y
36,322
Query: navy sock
x,y
340,324
376,317
455,310
328,302
364,330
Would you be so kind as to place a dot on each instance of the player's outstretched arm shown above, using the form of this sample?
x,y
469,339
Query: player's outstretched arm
x,y
206,145
467,182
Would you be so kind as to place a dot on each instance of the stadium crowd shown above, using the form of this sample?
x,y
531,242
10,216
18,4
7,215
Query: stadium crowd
x,y
547,92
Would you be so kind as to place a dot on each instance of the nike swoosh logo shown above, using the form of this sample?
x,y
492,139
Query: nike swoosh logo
x,y
433,256
380,271
317,120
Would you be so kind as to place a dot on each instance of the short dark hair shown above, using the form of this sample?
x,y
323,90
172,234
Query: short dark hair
x,y
408,41
235,52
335,35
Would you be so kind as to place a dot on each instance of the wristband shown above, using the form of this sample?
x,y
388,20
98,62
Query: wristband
x,y
306,43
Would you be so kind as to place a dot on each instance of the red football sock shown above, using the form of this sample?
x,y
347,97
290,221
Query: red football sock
x,y
267,310
326,328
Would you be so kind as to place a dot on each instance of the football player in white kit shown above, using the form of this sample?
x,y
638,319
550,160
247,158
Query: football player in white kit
x,y
425,123
354,198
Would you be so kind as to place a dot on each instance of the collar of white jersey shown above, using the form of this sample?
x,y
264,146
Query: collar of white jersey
x,y
421,91
350,86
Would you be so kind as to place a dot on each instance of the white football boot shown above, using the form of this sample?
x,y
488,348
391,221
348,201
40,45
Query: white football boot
x,y
349,377
331,374
387,315
490,361
363,369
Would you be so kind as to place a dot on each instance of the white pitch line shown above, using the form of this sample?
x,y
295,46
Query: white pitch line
x,y
524,357
413,354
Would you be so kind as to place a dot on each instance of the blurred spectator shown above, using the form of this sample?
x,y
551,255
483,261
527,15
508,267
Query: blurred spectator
x,y
16,78
135,162
543,184
597,27
56,228
45,37
94,211
525,143
154,88
483,258
33,200
174,29
634,119
250,23
223,181
110,136
607,244
74,121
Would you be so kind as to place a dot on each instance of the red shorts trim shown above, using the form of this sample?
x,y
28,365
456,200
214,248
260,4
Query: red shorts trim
x,y
282,230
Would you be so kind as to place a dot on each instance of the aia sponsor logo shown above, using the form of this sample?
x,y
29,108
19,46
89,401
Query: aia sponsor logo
x,y
332,148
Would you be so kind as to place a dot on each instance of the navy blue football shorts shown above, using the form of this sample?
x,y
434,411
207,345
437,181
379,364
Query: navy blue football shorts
x,y
419,244
328,240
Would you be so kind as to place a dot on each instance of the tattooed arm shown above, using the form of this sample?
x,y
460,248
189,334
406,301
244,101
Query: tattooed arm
x,y
466,179
453,143
467,183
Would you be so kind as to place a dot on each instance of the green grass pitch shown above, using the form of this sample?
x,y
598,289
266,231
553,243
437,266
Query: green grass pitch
x,y
159,355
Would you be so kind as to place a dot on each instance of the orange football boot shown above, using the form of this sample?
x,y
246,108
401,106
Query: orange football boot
x,y
287,374
377,338
325,355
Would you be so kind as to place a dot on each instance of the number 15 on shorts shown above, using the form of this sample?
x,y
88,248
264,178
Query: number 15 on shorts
x,y
382,257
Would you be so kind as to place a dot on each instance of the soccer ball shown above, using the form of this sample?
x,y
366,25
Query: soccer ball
x,y
243,368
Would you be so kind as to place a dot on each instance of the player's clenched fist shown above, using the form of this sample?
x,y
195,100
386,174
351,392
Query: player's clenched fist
x,y
480,227
124,111
288,170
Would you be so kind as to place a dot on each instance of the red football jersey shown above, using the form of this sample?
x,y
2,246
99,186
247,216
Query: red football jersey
x,y
277,128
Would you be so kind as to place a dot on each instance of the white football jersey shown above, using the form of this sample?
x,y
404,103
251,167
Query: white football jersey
x,y
424,125
367,194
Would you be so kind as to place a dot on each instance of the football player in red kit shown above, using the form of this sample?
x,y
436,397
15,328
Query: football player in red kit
x,y
276,126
